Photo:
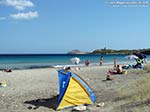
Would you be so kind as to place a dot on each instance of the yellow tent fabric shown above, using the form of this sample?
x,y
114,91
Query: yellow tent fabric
x,y
74,95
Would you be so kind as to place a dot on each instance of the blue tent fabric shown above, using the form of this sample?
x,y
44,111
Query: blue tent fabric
x,y
64,78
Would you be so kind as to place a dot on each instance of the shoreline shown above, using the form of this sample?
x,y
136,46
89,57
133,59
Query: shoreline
x,y
57,66
46,61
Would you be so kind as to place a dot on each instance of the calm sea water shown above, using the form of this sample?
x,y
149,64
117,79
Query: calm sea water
x,y
51,60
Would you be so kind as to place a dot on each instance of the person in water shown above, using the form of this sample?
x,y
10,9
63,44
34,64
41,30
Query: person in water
x,y
87,62
115,63
101,61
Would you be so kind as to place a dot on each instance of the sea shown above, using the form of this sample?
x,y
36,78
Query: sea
x,y
32,61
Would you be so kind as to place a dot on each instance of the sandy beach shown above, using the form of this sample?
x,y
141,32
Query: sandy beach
x,y
109,40
36,90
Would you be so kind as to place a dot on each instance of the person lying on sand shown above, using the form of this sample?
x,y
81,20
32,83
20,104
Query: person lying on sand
x,y
7,70
67,68
118,70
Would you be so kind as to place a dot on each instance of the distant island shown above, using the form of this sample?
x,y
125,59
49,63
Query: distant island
x,y
111,51
76,51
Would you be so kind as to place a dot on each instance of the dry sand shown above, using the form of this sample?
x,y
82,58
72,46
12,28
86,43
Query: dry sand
x,y
35,90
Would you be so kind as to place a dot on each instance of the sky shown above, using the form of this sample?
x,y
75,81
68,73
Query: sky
x,y
59,26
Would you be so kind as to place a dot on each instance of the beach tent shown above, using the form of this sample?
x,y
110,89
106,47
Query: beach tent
x,y
73,91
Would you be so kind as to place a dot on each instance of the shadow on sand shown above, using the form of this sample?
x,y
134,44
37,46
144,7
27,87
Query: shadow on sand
x,y
49,103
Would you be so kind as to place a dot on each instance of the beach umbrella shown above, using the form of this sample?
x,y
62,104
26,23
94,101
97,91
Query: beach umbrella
x,y
131,57
140,55
75,60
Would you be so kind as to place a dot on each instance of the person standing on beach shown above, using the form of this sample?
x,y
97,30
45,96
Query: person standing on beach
x,y
87,62
115,63
101,61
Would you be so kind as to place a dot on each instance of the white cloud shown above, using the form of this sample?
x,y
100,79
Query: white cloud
x,y
2,18
25,16
18,4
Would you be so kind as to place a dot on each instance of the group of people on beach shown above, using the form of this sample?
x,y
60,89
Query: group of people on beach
x,y
120,69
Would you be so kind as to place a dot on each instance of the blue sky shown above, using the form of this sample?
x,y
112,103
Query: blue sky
x,y
58,26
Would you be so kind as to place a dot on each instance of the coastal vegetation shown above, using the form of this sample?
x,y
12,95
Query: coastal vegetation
x,y
123,51
141,89
137,92
111,51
